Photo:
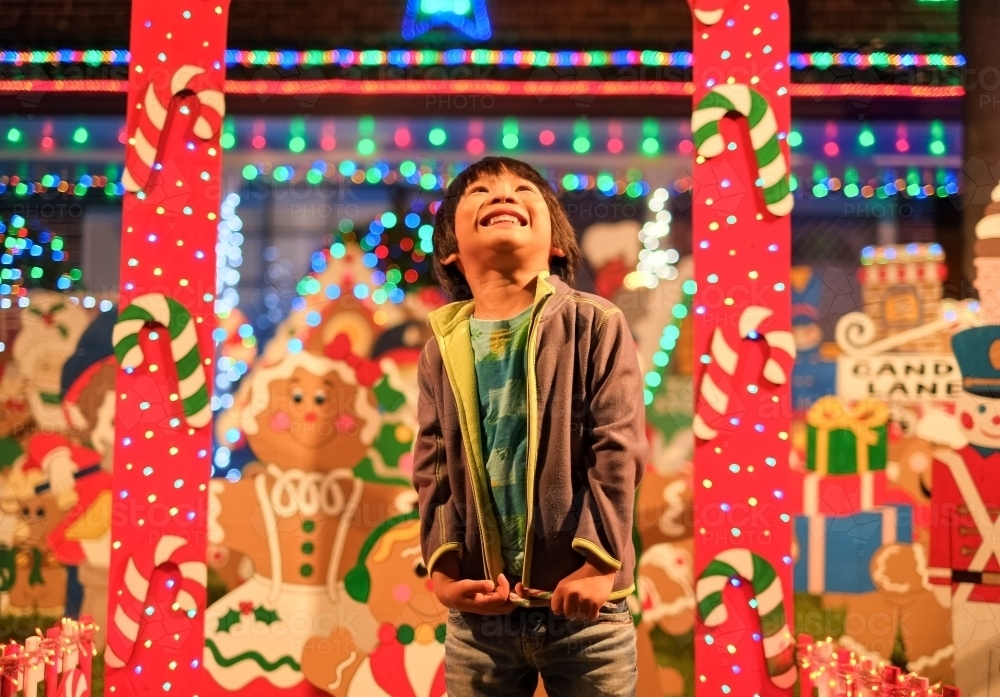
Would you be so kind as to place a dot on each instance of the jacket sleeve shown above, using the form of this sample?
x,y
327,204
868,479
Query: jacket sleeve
x,y
618,422
430,472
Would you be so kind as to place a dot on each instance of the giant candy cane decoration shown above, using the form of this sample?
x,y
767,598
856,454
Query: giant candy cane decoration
x,y
742,564
173,181
709,12
772,163
174,317
718,394
142,150
741,204
127,616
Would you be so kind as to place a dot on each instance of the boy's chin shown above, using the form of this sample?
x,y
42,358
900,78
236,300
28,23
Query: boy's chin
x,y
508,238
505,231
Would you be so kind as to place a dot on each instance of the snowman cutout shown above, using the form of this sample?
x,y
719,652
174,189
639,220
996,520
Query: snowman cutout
x,y
327,472
50,328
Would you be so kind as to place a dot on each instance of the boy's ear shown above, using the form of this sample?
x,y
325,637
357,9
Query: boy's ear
x,y
556,252
453,259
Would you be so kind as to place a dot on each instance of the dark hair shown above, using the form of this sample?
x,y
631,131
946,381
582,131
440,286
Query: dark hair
x,y
445,243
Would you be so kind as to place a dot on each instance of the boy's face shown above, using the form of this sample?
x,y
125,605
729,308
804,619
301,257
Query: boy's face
x,y
502,220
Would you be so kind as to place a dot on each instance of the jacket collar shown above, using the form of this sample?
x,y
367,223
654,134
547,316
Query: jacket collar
x,y
446,319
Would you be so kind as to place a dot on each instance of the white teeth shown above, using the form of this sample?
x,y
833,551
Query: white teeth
x,y
503,219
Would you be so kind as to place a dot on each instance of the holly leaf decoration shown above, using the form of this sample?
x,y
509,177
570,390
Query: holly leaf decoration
x,y
228,620
388,398
389,444
262,614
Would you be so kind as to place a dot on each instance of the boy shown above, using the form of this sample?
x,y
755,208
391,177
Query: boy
x,y
531,444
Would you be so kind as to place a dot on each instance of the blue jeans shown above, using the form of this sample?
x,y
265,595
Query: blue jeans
x,y
503,655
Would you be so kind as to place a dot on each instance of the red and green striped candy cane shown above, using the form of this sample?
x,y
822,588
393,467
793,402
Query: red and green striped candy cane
x,y
772,166
769,598
157,308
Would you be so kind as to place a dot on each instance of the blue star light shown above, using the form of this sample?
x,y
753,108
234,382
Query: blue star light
x,y
468,16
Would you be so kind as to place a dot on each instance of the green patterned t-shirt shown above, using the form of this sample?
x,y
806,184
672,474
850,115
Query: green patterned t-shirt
x,y
500,349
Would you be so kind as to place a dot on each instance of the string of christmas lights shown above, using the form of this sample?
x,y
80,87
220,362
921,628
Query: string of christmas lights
x,y
654,378
828,140
819,183
32,257
519,58
492,88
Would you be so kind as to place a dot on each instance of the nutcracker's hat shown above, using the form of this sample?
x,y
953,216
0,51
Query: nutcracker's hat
x,y
977,351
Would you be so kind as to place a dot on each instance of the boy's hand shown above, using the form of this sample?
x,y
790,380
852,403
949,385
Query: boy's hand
x,y
581,594
480,597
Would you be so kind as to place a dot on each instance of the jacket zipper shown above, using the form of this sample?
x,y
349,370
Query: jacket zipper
x,y
532,409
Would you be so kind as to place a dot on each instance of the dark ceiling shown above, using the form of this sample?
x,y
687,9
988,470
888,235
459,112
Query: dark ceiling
x,y
541,24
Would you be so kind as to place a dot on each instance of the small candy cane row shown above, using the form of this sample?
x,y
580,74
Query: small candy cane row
x,y
61,662
835,671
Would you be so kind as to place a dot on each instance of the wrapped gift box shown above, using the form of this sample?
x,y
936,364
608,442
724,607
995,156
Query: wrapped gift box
x,y
846,438
842,494
834,552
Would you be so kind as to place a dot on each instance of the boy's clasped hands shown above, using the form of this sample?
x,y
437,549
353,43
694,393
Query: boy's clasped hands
x,y
579,596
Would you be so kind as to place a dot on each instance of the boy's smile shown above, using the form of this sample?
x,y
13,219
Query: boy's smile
x,y
502,223
503,217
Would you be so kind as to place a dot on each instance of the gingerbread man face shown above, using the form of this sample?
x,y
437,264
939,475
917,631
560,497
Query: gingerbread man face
x,y
309,412
979,419
401,590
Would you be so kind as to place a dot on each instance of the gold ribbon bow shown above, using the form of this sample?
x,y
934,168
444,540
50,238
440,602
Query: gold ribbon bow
x,y
861,418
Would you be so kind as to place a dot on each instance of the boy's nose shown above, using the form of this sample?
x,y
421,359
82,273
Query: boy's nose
x,y
505,194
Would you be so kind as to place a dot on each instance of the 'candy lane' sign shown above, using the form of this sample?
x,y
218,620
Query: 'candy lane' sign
x,y
899,377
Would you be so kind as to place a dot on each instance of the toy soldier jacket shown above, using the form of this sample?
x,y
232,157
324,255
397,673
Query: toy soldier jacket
x,y
586,449
964,542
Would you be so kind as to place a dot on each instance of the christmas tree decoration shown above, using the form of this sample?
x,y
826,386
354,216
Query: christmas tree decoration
x,y
467,16
168,279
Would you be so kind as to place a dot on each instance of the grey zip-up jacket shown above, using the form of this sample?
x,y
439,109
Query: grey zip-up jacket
x,y
587,445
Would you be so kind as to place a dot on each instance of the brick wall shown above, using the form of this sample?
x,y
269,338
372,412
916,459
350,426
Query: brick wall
x,y
660,24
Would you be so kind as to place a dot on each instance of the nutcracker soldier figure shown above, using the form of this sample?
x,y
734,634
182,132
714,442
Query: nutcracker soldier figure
x,y
965,527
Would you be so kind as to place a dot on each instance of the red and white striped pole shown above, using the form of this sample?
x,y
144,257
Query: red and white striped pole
x,y
741,204
173,172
